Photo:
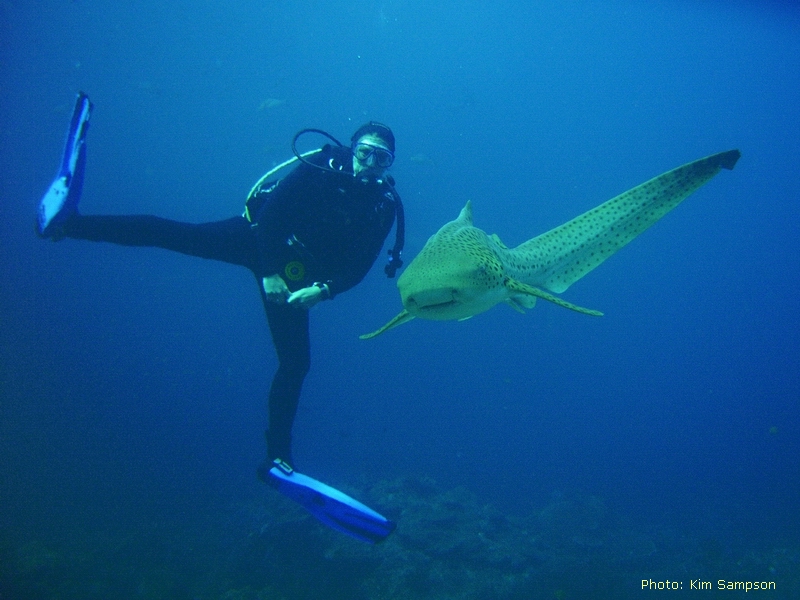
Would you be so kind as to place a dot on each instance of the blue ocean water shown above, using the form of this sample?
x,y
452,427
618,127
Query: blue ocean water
x,y
133,381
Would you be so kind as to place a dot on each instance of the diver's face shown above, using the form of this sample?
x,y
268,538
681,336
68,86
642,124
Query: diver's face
x,y
371,156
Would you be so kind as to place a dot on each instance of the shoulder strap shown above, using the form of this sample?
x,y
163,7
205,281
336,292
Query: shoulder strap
x,y
395,262
248,214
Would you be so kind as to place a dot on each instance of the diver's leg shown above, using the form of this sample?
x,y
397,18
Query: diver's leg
x,y
231,240
289,328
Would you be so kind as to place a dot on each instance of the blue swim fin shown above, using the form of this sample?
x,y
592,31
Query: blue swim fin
x,y
61,199
334,508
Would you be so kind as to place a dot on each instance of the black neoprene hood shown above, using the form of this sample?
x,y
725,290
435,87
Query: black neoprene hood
x,y
377,129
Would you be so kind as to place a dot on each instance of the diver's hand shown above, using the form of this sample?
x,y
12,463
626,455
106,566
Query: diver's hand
x,y
307,297
275,289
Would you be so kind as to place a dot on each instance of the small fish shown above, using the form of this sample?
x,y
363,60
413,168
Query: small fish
x,y
270,103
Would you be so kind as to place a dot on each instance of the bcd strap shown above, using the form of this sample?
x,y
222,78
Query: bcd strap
x,y
395,262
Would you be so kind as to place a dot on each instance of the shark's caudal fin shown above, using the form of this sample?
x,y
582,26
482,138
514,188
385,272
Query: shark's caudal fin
x,y
572,250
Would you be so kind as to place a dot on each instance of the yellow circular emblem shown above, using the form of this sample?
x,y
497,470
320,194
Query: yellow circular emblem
x,y
295,270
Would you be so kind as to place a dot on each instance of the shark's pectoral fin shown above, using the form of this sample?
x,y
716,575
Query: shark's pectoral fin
x,y
403,317
518,287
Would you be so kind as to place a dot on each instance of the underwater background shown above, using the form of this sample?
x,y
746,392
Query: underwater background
x,y
551,455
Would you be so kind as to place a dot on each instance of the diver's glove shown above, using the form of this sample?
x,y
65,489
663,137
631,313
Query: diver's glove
x,y
275,288
309,296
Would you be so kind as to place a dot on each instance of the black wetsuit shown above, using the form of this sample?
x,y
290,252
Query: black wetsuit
x,y
315,225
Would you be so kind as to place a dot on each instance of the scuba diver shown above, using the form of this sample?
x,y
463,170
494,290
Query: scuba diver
x,y
307,237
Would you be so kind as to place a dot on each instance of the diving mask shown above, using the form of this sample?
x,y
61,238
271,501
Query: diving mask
x,y
372,155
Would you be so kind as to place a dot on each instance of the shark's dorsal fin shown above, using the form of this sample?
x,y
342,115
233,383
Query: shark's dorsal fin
x,y
464,218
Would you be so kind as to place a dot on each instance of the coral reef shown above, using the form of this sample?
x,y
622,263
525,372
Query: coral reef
x,y
448,545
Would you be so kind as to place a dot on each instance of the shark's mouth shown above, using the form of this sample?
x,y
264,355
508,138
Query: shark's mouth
x,y
439,305
430,301
436,306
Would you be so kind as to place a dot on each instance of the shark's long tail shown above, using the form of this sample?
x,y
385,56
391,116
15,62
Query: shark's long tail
x,y
565,254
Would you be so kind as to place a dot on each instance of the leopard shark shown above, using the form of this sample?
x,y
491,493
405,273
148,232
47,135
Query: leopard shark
x,y
461,271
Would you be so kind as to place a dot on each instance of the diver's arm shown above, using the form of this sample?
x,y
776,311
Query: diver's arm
x,y
277,291
309,296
